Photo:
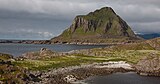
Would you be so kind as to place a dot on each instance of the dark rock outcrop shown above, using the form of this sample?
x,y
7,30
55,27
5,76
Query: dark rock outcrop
x,y
97,27
35,41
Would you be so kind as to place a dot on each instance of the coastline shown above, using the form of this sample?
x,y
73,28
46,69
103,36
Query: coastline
x,y
71,75
70,43
46,66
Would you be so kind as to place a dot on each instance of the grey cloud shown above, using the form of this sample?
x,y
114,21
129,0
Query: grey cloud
x,y
46,6
31,34
137,2
70,8
138,13
31,28
57,9
147,27
54,16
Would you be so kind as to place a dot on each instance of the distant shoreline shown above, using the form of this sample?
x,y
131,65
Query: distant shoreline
x,y
74,43
26,41
48,42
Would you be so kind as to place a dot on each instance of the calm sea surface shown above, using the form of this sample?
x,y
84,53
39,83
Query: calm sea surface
x,y
19,49
123,78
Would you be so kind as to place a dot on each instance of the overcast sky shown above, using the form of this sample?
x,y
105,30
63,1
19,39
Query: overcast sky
x,y
44,19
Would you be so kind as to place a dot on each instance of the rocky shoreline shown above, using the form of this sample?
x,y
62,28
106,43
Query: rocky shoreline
x,y
60,43
50,67
71,75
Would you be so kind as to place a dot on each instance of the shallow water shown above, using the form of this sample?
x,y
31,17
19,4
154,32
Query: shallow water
x,y
19,49
122,78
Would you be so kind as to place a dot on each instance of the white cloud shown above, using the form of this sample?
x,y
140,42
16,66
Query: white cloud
x,y
46,34
28,33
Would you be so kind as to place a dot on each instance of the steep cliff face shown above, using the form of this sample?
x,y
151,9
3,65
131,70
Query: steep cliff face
x,y
101,24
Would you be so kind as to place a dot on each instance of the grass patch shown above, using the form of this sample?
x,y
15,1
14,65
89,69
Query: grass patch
x,y
131,56
5,56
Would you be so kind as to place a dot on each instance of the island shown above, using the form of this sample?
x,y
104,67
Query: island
x,y
100,26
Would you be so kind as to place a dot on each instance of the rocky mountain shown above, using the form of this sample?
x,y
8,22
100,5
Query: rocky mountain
x,y
100,26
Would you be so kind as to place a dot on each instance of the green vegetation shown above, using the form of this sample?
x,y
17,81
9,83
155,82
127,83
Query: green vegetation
x,y
54,62
100,14
131,56
80,31
131,53
66,34
10,73
134,46
5,56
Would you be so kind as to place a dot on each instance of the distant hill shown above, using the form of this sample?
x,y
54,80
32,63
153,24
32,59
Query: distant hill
x,y
149,36
100,26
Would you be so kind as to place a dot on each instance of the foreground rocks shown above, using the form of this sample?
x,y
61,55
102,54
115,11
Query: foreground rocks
x,y
149,66
9,73
73,74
